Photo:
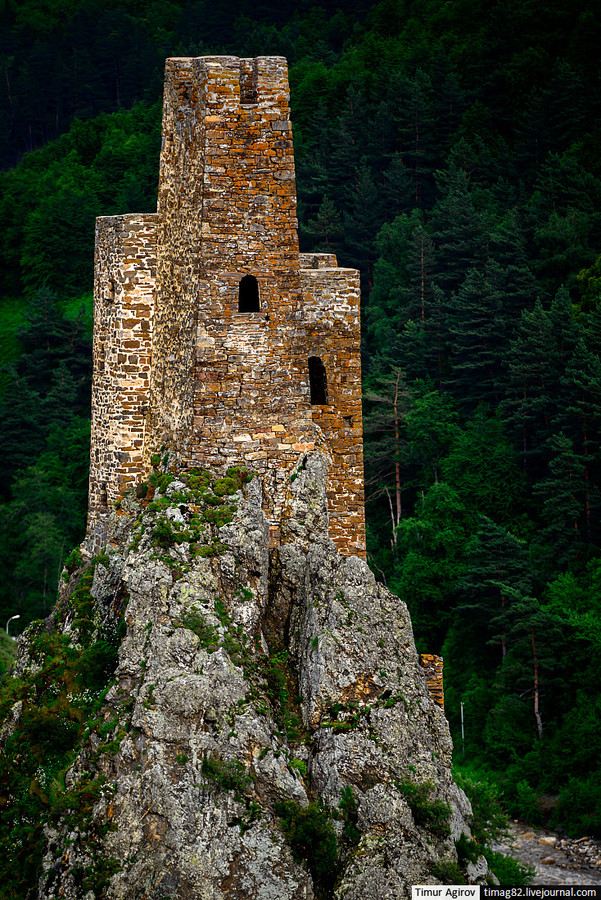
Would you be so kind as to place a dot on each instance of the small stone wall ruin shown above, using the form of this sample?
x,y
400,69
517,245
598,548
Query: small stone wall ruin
x,y
433,670
207,316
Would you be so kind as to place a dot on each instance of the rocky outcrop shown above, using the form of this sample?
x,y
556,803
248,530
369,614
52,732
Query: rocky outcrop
x,y
268,732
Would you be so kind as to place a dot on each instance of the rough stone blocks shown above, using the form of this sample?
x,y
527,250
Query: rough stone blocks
x,y
214,337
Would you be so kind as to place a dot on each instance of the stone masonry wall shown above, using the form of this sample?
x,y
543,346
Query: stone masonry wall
x,y
433,670
178,366
331,297
236,389
125,267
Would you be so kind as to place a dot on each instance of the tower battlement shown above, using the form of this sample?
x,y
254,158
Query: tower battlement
x,y
213,336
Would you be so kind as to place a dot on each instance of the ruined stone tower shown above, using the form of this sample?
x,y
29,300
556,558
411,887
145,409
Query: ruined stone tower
x,y
214,339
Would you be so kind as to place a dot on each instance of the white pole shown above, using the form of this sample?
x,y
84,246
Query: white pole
x,y
10,620
462,731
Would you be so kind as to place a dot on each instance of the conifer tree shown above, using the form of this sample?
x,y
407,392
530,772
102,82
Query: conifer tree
x,y
532,377
417,134
432,427
474,331
387,401
562,496
362,223
459,230
497,568
483,468
431,546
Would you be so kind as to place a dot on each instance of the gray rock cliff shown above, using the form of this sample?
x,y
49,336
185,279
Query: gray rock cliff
x,y
268,734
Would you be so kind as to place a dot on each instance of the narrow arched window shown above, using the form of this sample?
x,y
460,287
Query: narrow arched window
x,y
318,382
248,294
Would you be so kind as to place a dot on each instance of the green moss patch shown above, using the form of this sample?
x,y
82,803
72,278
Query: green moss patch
x,y
310,832
433,814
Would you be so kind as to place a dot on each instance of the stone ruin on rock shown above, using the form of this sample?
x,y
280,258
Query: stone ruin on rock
x,y
215,340
257,668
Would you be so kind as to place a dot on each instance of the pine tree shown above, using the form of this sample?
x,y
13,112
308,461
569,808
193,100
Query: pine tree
x,y
459,230
432,545
432,427
565,215
395,188
562,495
326,229
417,134
482,466
22,428
532,378
474,331
402,289
534,638
386,401
497,567
581,381
362,223
509,270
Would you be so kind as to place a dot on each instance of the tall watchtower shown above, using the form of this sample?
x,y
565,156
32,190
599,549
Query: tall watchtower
x,y
213,336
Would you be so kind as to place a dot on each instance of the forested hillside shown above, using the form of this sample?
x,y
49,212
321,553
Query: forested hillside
x,y
451,152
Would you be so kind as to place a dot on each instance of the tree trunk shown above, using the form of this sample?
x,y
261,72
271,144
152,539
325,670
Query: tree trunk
x,y
539,721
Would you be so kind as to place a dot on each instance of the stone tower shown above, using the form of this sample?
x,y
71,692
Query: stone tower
x,y
214,338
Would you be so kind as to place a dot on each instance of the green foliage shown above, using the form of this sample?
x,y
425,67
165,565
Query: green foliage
x,y
163,482
348,806
59,707
481,466
44,440
433,814
579,807
300,766
510,872
98,661
282,693
312,838
222,613
227,485
525,803
432,546
489,820
163,533
488,824
8,652
467,850
73,560
196,622
227,775
448,872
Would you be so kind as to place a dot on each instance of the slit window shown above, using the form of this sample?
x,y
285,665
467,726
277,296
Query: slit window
x,y
248,294
249,89
318,382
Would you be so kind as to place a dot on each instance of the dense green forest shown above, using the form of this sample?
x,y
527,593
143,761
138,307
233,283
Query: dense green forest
x,y
450,151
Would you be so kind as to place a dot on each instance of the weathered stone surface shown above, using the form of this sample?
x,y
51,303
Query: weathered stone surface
x,y
180,362
125,270
205,743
